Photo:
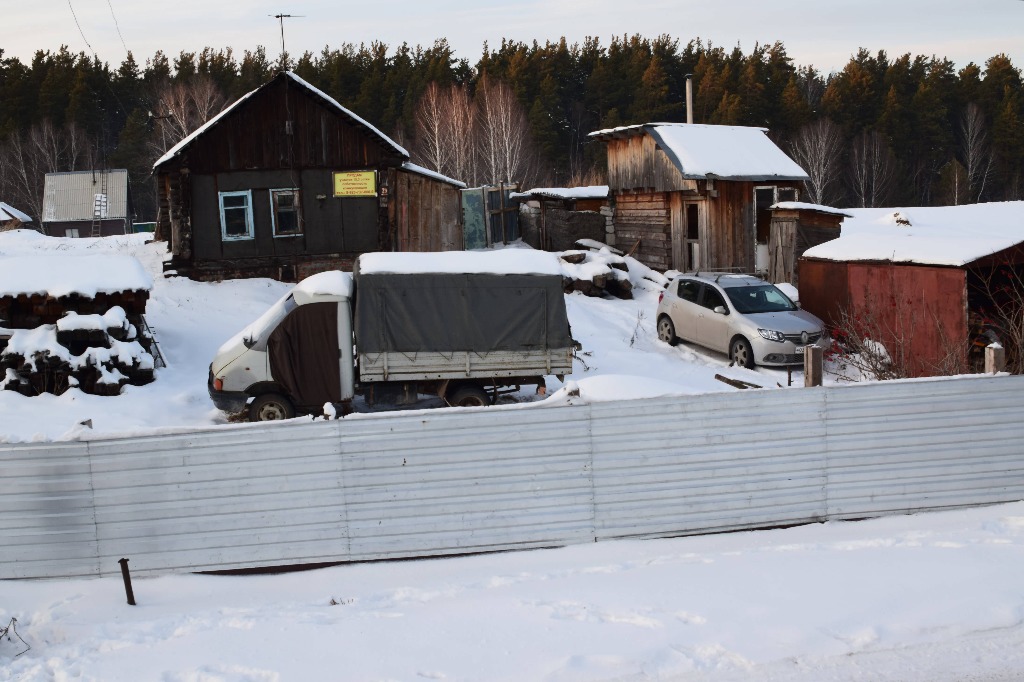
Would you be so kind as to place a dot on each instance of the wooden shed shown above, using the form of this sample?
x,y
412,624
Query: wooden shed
x,y
923,282
697,197
286,182
554,218
796,227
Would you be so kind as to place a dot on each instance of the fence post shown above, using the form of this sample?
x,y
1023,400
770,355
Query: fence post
x,y
813,365
995,358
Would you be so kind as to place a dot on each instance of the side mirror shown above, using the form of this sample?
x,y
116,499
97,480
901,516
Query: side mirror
x,y
249,341
720,309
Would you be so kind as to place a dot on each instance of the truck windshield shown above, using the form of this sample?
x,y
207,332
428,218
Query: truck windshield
x,y
761,298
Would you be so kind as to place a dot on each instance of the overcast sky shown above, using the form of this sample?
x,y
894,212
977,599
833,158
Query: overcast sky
x,y
824,33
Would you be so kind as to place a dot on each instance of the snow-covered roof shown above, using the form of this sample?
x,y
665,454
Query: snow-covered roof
x,y
8,212
330,101
803,206
498,262
942,235
590,192
716,152
330,283
426,172
59,275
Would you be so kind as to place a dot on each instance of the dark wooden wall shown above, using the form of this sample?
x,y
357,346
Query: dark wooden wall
x,y
425,214
635,163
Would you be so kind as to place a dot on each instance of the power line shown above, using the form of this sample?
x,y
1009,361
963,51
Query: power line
x,y
80,32
118,27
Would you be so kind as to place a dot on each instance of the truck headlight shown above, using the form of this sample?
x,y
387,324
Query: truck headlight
x,y
772,335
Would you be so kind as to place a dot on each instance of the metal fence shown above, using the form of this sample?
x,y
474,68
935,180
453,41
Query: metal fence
x,y
456,481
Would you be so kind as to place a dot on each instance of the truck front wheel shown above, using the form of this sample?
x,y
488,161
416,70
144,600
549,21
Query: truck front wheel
x,y
270,407
469,395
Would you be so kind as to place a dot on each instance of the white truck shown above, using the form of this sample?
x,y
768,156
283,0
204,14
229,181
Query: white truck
x,y
464,326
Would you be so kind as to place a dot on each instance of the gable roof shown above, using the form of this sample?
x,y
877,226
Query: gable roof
x,y
72,195
702,152
329,101
933,235
8,212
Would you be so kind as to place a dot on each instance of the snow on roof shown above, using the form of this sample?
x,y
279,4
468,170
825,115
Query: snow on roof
x,y
426,172
590,192
59,275
802,206
497,262
942,235
712,151
178,148
8,212
330,283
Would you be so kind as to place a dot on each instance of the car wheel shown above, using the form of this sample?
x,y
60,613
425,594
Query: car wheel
x,y
741,353
469,395
667,330
270,407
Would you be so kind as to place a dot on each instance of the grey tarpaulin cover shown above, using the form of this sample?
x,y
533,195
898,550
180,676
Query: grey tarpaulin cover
x,y
460,312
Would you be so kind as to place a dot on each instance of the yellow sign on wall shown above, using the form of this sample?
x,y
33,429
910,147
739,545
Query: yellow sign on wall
x,y
355,184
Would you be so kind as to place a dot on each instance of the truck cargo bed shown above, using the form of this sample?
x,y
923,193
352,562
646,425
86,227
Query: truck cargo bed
x,y
427,366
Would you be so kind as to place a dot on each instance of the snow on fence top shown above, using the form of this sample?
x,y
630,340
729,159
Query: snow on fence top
x,y
589,192
500,262
58,275
940,235
804,206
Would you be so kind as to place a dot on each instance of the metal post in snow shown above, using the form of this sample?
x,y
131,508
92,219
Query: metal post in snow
x,y
127,581
814,357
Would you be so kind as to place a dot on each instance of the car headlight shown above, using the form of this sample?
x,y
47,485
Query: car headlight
x,y
772,335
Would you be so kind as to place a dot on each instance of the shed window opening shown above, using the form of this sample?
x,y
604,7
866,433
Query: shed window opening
x,y
236,215
286,210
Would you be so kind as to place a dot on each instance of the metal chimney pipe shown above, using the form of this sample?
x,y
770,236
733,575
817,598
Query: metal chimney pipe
x,y
689,98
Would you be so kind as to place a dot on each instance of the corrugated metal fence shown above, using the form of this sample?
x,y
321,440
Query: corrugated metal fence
x,y
455,481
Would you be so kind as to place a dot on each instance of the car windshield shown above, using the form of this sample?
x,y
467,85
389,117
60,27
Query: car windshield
x,y
760,298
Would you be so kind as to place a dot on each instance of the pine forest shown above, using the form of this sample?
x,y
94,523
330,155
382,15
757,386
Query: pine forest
x,y
886,130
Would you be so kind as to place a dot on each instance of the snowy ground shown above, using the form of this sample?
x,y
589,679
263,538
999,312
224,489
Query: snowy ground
x,y
934,598
926,597
621,356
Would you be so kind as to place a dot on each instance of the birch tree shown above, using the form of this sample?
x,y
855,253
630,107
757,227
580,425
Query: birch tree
x,y
872,170
433,131
506,152
975,153
817,148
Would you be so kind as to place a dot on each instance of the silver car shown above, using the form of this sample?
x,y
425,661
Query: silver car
x,y
745,317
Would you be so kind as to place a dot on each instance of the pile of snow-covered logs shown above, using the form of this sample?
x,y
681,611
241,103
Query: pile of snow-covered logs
x,y
95,353
597,269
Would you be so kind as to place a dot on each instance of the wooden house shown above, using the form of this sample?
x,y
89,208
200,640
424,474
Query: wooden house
x,y
92,203
929,284
697,197
286,182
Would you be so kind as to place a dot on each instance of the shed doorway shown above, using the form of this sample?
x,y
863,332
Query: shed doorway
x,y
687,226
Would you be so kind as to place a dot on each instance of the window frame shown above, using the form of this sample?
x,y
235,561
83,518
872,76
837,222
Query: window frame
x,y
249,223
300,222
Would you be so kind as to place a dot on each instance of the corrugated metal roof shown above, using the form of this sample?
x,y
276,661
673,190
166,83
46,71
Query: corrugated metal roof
x,y
73,195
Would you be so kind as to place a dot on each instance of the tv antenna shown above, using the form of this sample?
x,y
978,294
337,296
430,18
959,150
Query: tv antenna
x,y
280,19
